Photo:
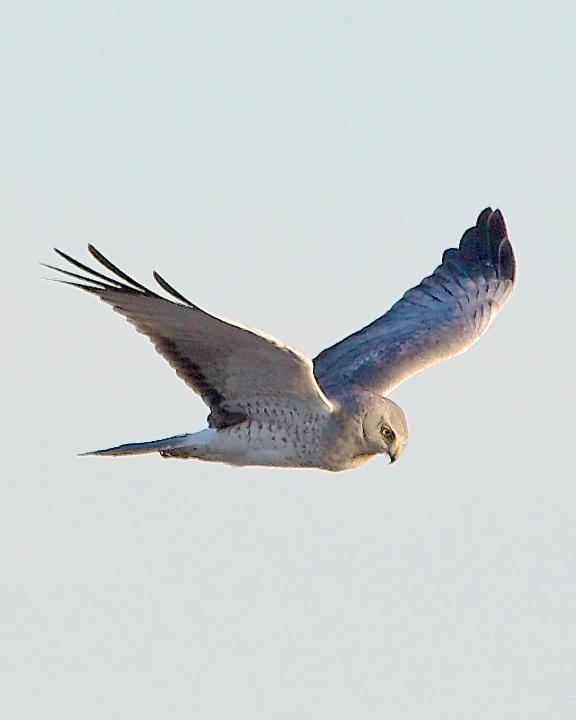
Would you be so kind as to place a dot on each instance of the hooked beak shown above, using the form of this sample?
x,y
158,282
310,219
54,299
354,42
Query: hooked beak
x,y
394,452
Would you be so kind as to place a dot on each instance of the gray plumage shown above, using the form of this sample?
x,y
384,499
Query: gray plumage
x,y
272,405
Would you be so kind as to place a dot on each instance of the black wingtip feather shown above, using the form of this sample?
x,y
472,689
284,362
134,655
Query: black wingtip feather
x,y
502,248
88,288
488,242
483,217
100,282
109,265
74,275
497,226
170,290
87,269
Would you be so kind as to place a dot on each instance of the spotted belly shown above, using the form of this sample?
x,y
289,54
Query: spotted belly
x,y
273,442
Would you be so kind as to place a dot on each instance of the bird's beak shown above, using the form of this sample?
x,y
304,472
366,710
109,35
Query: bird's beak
x,y
394,451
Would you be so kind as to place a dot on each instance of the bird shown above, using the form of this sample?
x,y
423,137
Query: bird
x,y
272,405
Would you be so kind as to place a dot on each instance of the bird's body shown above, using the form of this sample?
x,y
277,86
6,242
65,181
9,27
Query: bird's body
x,y
273,406
275,437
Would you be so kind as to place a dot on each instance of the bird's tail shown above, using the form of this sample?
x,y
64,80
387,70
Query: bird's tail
x,y
162,446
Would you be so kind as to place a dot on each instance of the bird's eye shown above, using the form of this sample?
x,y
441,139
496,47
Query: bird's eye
x,y
386,433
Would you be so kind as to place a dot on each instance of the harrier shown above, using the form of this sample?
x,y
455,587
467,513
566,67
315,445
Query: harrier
x,y
270,404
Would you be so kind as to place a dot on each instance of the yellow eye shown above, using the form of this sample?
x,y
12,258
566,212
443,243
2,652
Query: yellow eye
x,y
386,432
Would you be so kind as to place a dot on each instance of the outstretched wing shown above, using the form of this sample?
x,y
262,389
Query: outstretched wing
x,y
442,317
237,371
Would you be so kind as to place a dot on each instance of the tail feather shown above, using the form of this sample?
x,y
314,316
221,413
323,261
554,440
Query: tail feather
x,y
171,443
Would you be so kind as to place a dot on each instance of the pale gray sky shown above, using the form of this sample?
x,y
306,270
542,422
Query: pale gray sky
x,y
295,166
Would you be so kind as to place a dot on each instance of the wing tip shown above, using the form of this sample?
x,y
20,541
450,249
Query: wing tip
x,y
484,216
488,240
111,283
165,285
492,222
499,241
497,225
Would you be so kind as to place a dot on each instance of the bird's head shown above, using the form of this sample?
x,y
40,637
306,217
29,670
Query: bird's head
x,y
385,428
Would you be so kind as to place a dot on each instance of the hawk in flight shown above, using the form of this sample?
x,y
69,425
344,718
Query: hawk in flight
x,y
270,404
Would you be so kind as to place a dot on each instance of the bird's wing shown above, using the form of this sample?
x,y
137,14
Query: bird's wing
x,y
238,372
442,317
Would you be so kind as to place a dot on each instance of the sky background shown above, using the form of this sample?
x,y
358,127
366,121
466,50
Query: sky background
x,y
294,166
